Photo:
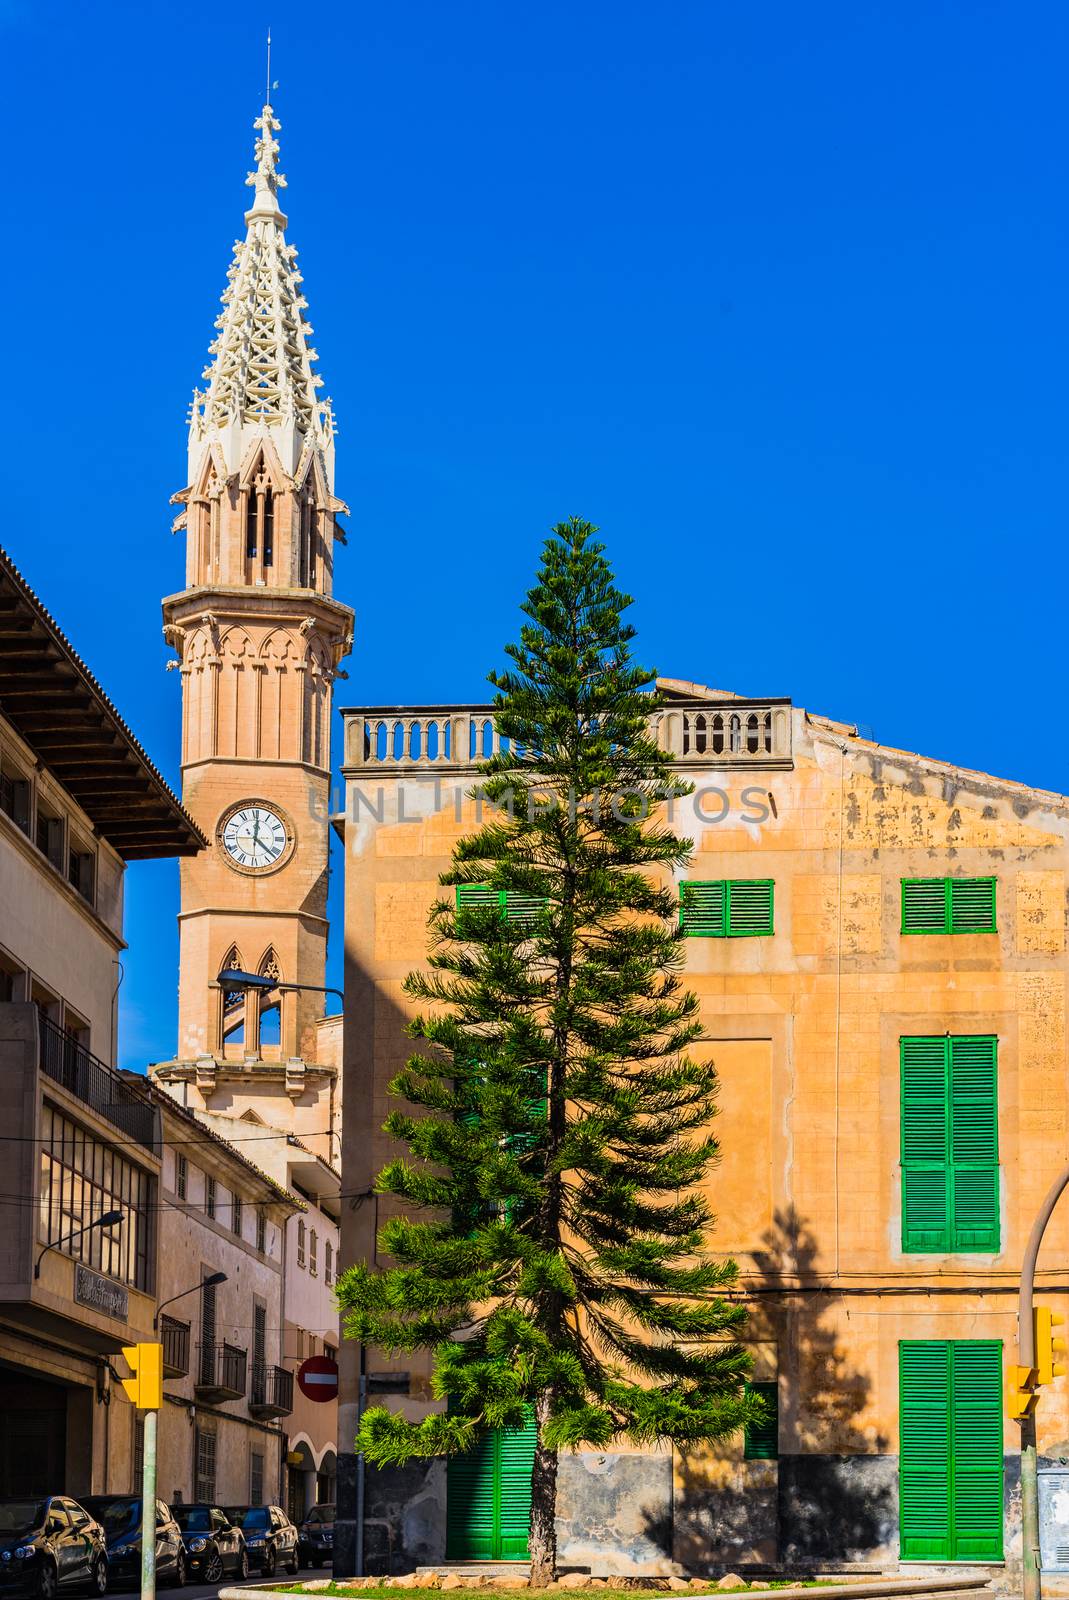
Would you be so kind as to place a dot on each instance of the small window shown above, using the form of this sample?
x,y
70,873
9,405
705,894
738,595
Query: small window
x,y
235,1215
209,1196
727,908
81,872
948,905
261,1233
15,796
761,1439
181,1177
511,906
269,528
300,1242
313,1245
250,525
328,1262
49,835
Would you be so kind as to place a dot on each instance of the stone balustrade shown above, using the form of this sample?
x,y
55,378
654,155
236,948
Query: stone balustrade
x,y
428,739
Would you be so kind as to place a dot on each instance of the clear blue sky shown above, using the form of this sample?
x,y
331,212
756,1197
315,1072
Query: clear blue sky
x,y
776,294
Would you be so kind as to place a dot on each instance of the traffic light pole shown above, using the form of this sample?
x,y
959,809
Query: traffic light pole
x,y
148,1509
1026,1347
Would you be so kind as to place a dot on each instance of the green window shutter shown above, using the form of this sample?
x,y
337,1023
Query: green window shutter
x,y
477,897
488,1496
525,908
702,909
972,905
511,906
749,907
515,1455
950,1450
924,905
924,1450
976,1505
974,1206
950,1173
948,905
761,1439
925,1174
470,1503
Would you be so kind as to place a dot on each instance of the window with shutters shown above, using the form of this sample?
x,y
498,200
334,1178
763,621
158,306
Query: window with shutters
x,y
328,1262
261,1233
256,1477
210,1193
181,1176
300,1241
511,906
950,1450
948,905
761,1439
949,1116
727,908
313,1252
235,1214
203,1464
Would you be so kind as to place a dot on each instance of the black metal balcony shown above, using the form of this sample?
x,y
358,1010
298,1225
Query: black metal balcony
x,y
68,1063
174,1336
272,1392
221,1370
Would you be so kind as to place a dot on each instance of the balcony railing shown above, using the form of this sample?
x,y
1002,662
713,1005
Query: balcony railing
x,y
272,1391
732,732
221,1370
174,1336
69,1064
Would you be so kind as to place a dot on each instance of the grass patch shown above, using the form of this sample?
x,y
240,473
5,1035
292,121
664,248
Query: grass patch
x,y
635,1591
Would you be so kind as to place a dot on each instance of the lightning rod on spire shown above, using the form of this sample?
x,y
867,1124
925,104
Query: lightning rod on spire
x,y
267,94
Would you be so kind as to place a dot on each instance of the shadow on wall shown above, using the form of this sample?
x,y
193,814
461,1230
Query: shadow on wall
x,y
832,1495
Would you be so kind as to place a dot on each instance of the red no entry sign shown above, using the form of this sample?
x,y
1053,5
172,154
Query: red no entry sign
x,y
318,1378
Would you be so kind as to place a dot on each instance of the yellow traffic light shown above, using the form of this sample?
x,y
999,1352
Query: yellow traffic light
x,y
145,1387
1021,1395
1048,1348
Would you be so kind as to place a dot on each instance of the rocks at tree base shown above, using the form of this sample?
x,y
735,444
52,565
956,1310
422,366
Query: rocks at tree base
x,y
732,1581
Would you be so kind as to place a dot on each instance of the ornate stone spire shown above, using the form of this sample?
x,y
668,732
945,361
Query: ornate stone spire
x,y
260,377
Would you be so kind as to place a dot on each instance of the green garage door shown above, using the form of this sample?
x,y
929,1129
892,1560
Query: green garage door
x,y
950,1464
488,1497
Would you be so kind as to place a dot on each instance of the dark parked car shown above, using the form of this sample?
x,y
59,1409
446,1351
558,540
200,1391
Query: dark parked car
x,y
213,1545
49,1543
270,1537
120,1517
317,1535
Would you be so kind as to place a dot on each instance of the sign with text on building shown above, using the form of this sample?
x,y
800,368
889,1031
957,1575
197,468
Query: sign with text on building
x,y
317,1378
100,1294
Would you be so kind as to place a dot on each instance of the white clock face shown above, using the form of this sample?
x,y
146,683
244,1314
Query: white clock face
x,y
254,837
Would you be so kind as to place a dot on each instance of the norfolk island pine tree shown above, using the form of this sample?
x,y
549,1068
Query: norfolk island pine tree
x,y
554,1248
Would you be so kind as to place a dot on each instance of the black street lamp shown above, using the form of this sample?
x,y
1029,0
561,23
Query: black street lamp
x,y
108,1219
205,1283
235,978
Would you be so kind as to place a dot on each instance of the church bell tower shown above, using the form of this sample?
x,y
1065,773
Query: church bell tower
x,y
259,639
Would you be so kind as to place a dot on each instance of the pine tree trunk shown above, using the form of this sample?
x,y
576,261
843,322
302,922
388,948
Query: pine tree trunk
x,y
543,1536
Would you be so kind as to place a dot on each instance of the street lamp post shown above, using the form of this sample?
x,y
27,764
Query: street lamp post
x,y
108,1219
235,978
148,1473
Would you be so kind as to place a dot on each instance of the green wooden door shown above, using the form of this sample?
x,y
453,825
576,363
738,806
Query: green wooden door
x,y
488,1497
950,1464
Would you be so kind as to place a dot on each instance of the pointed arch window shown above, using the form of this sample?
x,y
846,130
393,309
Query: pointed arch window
x,y
233,1028
252,531
270,1003
269,527
308,556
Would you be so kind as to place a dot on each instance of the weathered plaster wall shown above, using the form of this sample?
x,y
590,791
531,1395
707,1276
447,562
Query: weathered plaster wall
x,y
804,1027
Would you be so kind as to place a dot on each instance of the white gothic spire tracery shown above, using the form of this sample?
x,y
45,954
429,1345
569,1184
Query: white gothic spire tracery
x,y
261,379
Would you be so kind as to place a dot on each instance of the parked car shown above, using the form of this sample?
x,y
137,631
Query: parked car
x,y
317,1535
120,1517
213,1545
270,1537
48,1543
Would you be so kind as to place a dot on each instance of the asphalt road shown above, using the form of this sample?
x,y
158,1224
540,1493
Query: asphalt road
x,y
208,1591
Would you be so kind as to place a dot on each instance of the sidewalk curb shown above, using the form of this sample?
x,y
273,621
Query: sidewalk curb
x,y
874,1589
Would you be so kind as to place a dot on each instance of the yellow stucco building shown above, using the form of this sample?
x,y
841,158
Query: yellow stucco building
x,y
878,942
